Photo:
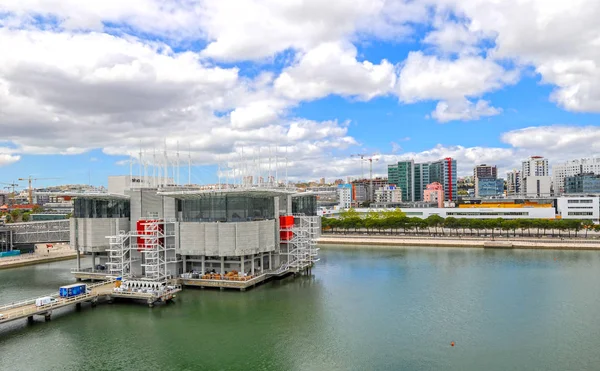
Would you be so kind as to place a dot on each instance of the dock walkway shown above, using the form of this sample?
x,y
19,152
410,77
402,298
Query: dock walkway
x,y
103,290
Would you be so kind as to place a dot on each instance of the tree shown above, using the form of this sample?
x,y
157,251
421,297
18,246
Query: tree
x,y
25,217
587,225
8,218
69,216
15,214
451,223
372,220
36,209
434,221
349,214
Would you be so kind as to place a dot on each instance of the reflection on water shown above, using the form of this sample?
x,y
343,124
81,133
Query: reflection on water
x,y
358,310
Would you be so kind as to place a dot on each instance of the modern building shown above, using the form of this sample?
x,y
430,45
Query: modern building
x,y
548,212
434,193
388,194
582,183
345,195
485,171
402,175
444,172
154,234
572,168
489,187
535,178
513,183
413,178
582,208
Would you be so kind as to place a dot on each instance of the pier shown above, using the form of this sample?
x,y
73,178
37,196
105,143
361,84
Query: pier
x,y
103,291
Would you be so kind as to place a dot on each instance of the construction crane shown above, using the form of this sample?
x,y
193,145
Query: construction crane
x,y
370,158
30,190
362,157
12,186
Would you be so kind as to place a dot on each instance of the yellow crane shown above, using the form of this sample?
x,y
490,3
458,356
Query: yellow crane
x,y
30,190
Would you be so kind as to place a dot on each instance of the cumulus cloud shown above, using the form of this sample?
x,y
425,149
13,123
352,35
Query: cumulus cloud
x,y
463,110
332,68
428,77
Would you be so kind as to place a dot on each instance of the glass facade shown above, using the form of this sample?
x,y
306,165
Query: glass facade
x,y
226,208
306,205
100,208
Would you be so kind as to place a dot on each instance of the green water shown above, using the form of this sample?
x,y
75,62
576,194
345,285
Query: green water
x,y
360,310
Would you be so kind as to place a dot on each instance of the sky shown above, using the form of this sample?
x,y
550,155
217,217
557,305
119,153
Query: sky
x,y
86,85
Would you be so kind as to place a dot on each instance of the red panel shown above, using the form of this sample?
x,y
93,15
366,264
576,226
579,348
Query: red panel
x,y
285,235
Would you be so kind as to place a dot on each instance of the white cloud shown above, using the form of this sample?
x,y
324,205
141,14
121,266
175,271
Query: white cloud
x,y
559,39
426,77
559,140
332,68
463,110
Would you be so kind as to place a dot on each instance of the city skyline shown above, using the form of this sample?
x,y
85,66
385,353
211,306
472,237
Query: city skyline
x,y
83,86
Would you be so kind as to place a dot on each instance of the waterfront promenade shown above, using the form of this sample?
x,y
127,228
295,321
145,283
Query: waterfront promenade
x,y
42,255
474,242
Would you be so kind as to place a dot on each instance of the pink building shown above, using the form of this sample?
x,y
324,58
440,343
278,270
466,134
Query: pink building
x,y
434,192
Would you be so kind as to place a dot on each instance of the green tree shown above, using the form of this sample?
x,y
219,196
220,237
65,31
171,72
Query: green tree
x,y
451,223
434,221
587,225
15,214
372,220
8,218
69,216
25,217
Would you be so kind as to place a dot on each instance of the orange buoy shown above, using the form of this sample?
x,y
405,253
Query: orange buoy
x,y
452,344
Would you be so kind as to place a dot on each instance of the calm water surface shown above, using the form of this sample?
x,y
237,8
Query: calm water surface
x,y
363,309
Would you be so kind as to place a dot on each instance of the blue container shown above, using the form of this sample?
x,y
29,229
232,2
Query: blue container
x,y
72,290
10,253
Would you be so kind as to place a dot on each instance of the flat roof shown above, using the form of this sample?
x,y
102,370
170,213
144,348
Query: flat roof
x,y
199,193
91,195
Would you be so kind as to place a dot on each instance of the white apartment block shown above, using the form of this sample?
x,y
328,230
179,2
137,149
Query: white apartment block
x,y
571,168
388,194
535,178
345,195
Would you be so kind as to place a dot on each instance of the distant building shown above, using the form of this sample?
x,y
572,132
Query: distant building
x,y
413,178
388,194
582,183
363,191
513,183
489,187
345,195
485,171
582,208
434,193
402,175
322,181
571,168
535,181
338,181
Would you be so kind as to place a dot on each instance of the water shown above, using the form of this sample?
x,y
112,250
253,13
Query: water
x,y
361,310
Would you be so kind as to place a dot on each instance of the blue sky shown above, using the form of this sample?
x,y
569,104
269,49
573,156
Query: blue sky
x,y
83,85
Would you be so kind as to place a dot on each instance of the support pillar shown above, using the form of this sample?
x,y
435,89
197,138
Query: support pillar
x,y
203,264
270,262
262,261
242,269
222,265
93,262
47,316
78,306
185,264
253,258
78,260
30,319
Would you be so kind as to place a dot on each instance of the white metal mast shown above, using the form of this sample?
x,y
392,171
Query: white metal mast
x,y
190,165
178,173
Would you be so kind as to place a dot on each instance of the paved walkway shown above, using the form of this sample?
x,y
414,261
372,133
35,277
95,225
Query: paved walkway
x,y
386,241
38,257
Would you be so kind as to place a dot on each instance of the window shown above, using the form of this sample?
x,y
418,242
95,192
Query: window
x,y
580,213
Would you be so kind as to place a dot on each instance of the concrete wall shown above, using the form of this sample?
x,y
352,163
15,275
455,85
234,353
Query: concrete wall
x,y
146,202
90,234
226,239
583,208
479,213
